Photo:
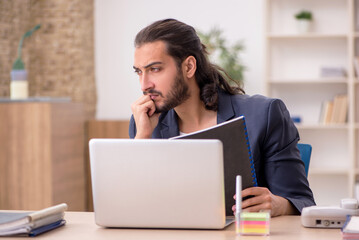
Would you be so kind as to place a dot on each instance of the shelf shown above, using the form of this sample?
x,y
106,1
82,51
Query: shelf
x,y
294,65
298,59
305,36
318,126
309,81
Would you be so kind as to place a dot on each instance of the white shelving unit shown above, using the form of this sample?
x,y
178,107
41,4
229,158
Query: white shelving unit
x,y
293,63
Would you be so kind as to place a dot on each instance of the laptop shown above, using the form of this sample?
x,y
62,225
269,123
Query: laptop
x,y
158,183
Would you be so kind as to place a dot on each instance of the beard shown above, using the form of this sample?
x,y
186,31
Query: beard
x,y
178,94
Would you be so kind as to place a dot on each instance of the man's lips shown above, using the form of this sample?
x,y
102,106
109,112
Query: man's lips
x,y
153,96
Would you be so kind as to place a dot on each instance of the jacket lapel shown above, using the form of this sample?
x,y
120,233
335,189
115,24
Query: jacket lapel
x,y
225,107
169,125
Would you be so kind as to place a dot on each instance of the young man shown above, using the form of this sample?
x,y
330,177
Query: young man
x,y
183,92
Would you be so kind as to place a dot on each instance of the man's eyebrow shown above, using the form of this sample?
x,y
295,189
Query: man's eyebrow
x,y
148,65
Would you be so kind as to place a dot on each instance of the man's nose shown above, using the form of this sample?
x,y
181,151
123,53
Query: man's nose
x,y
146,83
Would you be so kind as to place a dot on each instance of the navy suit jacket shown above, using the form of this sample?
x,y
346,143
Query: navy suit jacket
x,y
273,139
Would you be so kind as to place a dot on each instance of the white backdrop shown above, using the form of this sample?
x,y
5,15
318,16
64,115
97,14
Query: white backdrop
x,y
118,21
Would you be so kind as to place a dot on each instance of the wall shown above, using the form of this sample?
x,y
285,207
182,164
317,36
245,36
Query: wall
x,y
59,57
118,21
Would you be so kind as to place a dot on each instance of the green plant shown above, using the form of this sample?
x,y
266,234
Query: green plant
x,y
227,57
18,64
304,14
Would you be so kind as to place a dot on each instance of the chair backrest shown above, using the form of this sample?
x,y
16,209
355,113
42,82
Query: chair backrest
x,y
305,153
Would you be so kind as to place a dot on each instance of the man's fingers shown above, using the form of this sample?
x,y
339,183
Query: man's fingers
x,y
251,201
149,108
152,109
255,191
140,101
144,105
258,208
257,200
144,113
261,198
143,98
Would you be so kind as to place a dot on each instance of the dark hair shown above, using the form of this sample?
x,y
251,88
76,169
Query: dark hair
x,y
182,41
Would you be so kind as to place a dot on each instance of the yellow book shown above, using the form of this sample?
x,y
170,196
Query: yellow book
x,y
342,118
336,109
328,111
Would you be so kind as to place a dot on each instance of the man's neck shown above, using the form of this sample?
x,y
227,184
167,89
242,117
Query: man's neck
x,y
193,116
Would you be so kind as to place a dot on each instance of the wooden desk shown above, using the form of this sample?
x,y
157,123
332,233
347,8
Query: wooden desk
x,y
81,225
41,155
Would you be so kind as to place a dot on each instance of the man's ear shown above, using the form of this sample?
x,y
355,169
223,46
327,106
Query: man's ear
x,y
189,66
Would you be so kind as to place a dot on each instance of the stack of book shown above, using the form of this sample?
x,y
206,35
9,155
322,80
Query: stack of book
x,y
335,111
350,229
32,223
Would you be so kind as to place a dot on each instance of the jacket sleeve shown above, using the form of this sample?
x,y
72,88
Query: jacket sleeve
x,y
132,128
284,169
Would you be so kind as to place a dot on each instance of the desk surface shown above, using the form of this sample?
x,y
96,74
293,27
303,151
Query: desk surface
x,y
81,225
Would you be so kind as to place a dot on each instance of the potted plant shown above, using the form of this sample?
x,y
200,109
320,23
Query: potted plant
x,y
224,55
304,21
19,84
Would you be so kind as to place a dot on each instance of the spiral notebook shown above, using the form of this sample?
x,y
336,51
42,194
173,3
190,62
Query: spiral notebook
x,y
236,154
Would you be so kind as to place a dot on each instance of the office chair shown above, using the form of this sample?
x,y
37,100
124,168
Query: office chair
x,y
305,153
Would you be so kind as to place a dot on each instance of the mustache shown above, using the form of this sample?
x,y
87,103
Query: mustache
x,y
152,91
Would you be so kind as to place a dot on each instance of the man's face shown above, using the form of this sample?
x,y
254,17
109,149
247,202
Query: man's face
x,y
159,76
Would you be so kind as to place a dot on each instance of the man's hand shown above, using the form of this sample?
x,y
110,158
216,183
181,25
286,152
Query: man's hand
x,y
146,119
263,199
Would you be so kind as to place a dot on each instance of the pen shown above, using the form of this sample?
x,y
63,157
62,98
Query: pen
x,y
238,202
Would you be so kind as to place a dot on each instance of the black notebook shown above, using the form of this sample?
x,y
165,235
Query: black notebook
x,y
237,155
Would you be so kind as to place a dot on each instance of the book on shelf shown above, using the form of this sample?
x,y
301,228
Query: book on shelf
x,y
326,112
332,72
339,109
32,223
334,111
343,109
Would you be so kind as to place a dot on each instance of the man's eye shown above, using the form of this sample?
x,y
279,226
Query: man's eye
x,y
138,72
155,69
